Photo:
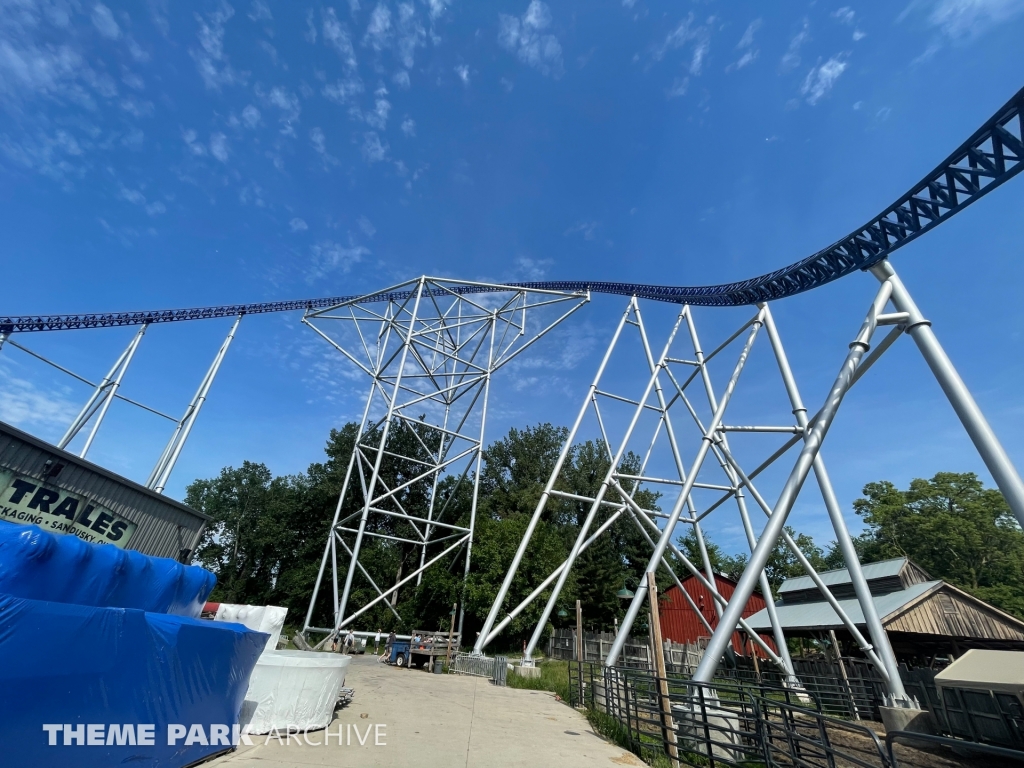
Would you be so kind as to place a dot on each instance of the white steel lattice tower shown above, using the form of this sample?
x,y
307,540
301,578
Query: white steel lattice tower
x,y
430,351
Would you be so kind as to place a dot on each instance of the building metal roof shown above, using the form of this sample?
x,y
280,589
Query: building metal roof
x,y
166,527
820,616
985,670
880,570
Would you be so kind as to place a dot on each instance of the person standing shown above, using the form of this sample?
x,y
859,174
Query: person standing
x,y
390,643
376,641
350,641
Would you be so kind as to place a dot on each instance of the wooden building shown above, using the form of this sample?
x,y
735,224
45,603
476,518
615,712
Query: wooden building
x,y
923,617
680,623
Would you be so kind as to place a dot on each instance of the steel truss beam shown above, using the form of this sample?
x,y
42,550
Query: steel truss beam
x,y
993,155
667,391
430,353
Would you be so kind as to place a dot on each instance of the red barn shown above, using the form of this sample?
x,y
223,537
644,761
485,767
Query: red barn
x,y
680,623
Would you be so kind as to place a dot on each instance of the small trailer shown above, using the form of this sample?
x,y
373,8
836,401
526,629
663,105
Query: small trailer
x,y
423,649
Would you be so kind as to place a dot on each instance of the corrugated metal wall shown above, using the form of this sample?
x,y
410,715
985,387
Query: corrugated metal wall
x,y
165,526
680,624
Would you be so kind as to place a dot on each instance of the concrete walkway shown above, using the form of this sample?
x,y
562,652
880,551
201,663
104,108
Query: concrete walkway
x,y
420,719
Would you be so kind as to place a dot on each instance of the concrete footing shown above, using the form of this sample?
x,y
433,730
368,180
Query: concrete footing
x,y
524,671
912,720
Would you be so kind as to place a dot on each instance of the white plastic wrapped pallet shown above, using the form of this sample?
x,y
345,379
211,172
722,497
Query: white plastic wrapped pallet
x,y
294,690
261,618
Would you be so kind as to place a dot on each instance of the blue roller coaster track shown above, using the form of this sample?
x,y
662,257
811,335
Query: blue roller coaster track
x,y
989,158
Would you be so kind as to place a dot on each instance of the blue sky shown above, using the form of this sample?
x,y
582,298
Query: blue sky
x,y
172,154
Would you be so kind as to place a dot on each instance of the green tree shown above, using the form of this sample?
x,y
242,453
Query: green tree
x,y
782,563
954,528
239,543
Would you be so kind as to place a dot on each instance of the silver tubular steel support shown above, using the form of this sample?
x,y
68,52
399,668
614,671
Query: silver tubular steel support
x,y
511,615
102,395
705,671
879,638
766,591
162,472
400,583
442,444
599,496
334,524
639,514
485,632
638,598
702,364
741,505
826,593
3,338
974,421
374,476
476,475
111,392
430,354
366,576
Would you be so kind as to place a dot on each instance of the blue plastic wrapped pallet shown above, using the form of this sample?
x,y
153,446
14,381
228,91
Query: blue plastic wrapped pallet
x,y
92,685
62,568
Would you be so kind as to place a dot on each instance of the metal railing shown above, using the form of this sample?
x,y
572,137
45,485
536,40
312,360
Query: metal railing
x,y
493,667
723,724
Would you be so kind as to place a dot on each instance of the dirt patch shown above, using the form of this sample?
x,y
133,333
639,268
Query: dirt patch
x,y
862,747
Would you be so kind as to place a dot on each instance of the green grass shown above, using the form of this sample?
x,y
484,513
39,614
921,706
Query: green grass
x,y
554,677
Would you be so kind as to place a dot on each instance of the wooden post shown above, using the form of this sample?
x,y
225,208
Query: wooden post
x,y
668,730
451,631
842,671
753,656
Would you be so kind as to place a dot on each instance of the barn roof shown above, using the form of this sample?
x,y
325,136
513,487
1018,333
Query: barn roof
x,y
927,608
820,615
880,570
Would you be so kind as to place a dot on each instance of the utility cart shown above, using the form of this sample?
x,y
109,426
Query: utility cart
x,y
423,649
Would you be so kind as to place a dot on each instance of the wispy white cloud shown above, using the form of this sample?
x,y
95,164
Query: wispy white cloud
x,y
678,88
366,226
378,31
24,404
746,44
190,137
104,22
298,225
401,79
821,78
250,117
260,11
318,141
310,33
844,15
286,101
463,72
342,91
410,34
330,256
409,127
961,20
133,196
847,16
588,229
685,32
337,37
791,59
526,38
373,149
210,59
58,156
219,146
